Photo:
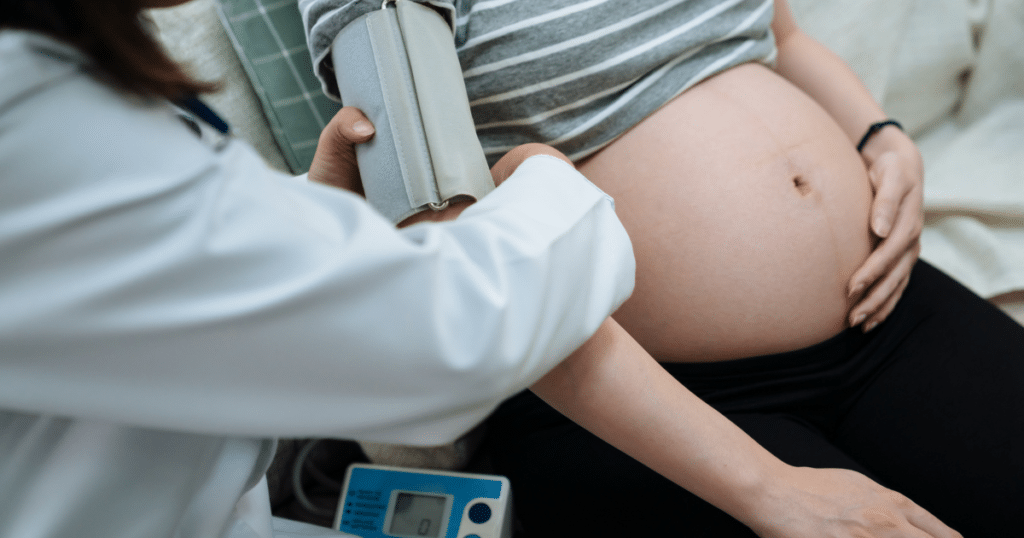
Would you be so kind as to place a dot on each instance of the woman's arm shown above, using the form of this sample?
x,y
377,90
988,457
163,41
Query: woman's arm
x,y
614,389
893,161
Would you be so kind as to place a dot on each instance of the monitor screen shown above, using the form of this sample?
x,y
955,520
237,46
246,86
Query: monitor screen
x,y
415,514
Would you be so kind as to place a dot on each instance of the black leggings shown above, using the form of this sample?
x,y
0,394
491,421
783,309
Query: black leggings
x,y
930,404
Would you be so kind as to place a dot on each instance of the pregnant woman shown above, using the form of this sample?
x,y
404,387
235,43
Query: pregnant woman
x,y
775,218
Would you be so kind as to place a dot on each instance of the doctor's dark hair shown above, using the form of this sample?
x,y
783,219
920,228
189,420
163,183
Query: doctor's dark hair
x,y
115,35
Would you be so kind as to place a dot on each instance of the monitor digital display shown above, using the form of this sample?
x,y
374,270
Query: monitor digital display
x,y
416,514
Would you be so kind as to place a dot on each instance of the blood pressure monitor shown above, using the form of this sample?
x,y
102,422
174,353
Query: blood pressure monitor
x,y
392,502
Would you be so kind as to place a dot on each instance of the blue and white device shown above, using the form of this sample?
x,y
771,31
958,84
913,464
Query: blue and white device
x,y
378,501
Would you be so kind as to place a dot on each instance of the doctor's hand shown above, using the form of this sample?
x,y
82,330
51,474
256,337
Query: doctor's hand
x,y
896,173
335,160
839,503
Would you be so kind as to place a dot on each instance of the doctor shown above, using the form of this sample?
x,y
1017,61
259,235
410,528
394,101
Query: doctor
x,y
169,304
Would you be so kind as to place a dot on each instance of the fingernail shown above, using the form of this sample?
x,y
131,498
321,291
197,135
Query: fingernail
x,y
362,127
856,290
869,326
857,320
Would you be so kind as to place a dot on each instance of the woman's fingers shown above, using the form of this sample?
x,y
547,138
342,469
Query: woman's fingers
x,y
898,219
890,262
890,191
881,298
879,315
920,518
896,213
334,162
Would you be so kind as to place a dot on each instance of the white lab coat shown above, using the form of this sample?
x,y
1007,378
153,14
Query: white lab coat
x,y
168,308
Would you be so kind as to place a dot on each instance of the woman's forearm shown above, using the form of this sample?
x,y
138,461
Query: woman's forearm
x,y
823,75
616,390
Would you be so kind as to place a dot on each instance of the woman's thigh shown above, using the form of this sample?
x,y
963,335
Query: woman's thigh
x,y
943,423
567,482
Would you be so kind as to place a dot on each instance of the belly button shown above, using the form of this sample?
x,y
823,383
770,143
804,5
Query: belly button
x,y
802,185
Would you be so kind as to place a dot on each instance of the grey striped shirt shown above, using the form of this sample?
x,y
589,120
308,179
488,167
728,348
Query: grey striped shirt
x,y
574,74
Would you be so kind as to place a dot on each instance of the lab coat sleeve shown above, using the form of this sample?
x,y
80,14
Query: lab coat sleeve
x,y
173,287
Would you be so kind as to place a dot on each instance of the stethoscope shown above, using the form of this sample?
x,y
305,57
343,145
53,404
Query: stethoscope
x,y
199,109
215,132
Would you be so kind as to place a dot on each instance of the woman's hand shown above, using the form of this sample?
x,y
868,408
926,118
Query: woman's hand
x,y
897,178
838,503
335,160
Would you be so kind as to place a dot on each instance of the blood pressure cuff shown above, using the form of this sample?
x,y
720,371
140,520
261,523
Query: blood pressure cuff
x,y
399,66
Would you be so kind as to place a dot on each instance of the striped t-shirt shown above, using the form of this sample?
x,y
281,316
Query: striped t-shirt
x,y
569,73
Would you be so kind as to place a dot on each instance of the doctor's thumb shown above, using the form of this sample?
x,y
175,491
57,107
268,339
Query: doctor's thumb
x,y
334,162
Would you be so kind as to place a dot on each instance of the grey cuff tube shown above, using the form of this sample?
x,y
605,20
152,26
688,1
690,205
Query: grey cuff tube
x,y
399,66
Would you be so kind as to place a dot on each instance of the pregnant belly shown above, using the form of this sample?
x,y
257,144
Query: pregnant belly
x,y
748,210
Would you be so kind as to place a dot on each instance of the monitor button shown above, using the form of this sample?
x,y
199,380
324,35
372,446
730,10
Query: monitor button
x,y
479,513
